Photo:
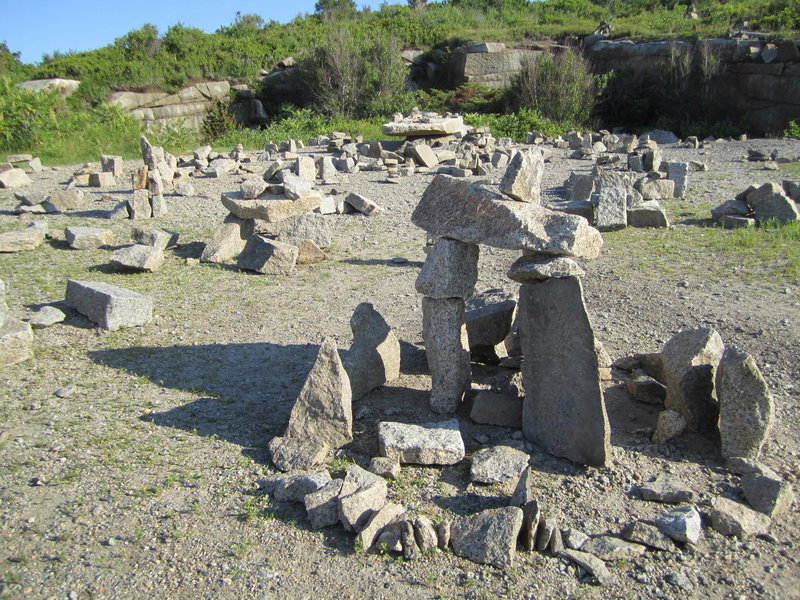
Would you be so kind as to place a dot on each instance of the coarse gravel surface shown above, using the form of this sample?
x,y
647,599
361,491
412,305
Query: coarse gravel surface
x,y
142,481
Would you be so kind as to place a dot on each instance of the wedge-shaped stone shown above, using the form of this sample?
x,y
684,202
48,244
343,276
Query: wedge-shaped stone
x,y
323,410
229,240
358,503
270,209
64,200
427,444
268,257
139,205
590,563
137,257
745,405
767,494
424,156
731,518
27,238
379,519
453,208
564,410
449,271
16,341
523,177
488,537
322,506
158,238
649,535
690,361
682,524
294,488
362,204
374,356
14,178
294,454
109,306
87,238
447,350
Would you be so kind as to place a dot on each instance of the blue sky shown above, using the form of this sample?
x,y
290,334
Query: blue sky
x,y
37,27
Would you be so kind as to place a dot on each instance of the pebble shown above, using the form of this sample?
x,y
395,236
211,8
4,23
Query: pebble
x,y
66,391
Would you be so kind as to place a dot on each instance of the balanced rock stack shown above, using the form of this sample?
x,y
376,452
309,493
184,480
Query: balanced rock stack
x,y
462,216
151,181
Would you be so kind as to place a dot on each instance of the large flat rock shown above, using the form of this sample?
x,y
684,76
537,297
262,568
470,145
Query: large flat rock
x,y
270,209
428,444
426,124
453,208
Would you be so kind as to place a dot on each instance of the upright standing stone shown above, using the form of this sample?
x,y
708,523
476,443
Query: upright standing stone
x,y
523,177
449,271
447,349
374,356
323,410
563,410
229,240
679,173
139,205
745,405
690,362
610,202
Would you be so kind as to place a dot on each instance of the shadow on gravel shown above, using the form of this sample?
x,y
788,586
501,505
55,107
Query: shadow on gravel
x,y
389,262
247,390
190,250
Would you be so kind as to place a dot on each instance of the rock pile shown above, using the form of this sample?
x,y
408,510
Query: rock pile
x,y
757,205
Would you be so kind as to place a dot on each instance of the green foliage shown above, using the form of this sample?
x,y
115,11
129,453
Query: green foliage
x,y
516,125
468,98
559,86
219,121
793,130
11,66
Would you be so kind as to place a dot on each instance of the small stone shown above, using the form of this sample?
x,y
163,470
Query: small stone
x,y
667,489
291,454
425,533
294,488
609,547
367,537
268,257
362,204
590,563
731,518
670,424
682,524
497,464
530,268
647,390
65,392
385,467
488,537
46,316
427,444
357,503
137,258
523,177
88,238
322,506
574,539
769,495
649,535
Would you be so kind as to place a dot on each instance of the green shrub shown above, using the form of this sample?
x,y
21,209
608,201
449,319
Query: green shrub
x,y
219,121
516,125
559,86
793,130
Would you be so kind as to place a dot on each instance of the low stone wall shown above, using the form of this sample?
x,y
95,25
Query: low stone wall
x,y
187,107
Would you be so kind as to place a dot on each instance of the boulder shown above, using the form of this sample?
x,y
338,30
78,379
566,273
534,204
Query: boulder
x,y
427,444
28,238
293,454
270,209
88,238
109,306
268,257
647,214
735,519
65,200
523,177
447,351
323,409
690,361
745,405
769,202
678,172
388,468
322,506
229,240
137,257
488,537
767,494
682,524
564,410
308,252
14,178
307,226
467,212
497,464
101,180
374,355
16,341
449,271
362,204
610,201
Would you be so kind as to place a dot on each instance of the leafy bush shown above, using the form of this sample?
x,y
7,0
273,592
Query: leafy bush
x,y
559,86
793,130
516,125
219,121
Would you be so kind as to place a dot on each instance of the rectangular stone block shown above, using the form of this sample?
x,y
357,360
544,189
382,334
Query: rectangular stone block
x,y
109,306
447,349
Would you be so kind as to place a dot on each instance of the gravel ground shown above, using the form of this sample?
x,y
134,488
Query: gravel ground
x,y
142,481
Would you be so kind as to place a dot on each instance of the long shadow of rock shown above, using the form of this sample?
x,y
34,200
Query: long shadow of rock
x,y
373,262
247,390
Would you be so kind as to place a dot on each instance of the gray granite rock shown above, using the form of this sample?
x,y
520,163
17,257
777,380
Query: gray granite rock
x,y
425,533
769,202
65,200
735,519
109,306
374,356
296,187
16,341
447,351
647,214
158,238
523,177
531,517
564,410
769,495
139,206
427,444
323,409
649,535
385,467
745,405
292,454
524,490
667,489
690,365
137,257
27,238
647,390
322,506
670,424
488,317
268,257
308,226
45,317
678,172
530,268
610,201
296,487
488,537
362,204
682,524
609,547
379,519
88,238
253,187
591,564
497,464
229,240
574,539
357,503
456,209
449,271
270,209
497,408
